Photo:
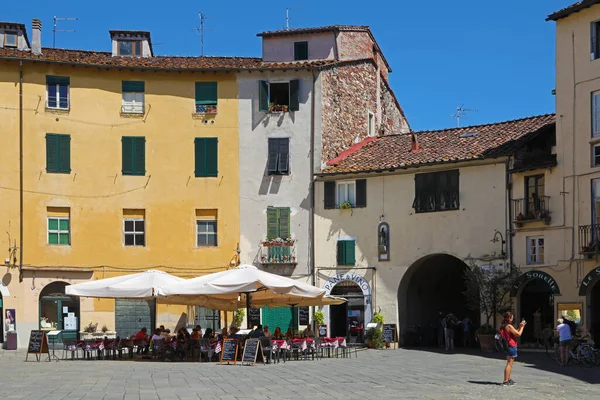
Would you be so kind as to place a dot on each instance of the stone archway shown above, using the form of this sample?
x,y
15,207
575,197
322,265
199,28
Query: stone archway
x,y
590,288
364,286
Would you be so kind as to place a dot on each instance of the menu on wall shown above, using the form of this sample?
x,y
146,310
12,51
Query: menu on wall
x,y
303,315
254,316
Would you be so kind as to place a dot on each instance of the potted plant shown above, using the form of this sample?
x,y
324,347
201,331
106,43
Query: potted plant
x,y
378,319
488,292
104,328
520,217
319,318
285,109
90,328
346,205
374,338
238,317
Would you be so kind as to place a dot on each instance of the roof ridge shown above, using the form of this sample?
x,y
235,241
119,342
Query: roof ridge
x,y
472,126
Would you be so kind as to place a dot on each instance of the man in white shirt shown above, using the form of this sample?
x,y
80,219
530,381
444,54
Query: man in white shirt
x,y
565,338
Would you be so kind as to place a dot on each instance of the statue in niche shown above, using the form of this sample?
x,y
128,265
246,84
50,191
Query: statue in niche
x,y
383,241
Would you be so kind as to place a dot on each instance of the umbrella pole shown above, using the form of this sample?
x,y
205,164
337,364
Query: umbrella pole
x,y
293,321
248,311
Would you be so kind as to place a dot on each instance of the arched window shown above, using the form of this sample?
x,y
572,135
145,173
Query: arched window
x,y
59,311
383,241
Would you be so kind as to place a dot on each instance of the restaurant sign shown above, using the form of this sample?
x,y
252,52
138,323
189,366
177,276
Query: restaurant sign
x,y
589,278
531,275
349,276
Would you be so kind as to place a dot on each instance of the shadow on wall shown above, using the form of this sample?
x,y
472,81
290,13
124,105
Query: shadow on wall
x,y
181,322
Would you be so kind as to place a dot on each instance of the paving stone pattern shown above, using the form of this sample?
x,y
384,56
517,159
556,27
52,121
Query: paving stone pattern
x,y
393,374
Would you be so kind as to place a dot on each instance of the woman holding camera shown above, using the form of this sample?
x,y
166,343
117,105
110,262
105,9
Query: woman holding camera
x,y
510,334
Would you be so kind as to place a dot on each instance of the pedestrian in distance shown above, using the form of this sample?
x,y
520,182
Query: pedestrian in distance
x,y
565,338
440,329
510,334
449,323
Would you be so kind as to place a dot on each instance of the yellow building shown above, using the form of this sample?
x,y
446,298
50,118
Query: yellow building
x,y
129,163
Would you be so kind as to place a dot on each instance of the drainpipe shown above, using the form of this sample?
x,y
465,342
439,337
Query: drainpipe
x,y
573,148
311,220
21,170
509,230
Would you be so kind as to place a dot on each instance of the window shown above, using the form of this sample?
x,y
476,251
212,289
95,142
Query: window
x,y
596,155
535,250
371,124
278,162
58,231
300,51
10,39
534,191
206,97
58,153
595,36
596,114
206,157
129,48
278,222
437,191
346,252
134,231
133,97
207,233
57,92
278,96
133,155
340,192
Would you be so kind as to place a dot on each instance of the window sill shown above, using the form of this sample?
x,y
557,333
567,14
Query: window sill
x,y
125,114
60,111
278,174
129,246
536,265
58,172
436,211
595,140
132,174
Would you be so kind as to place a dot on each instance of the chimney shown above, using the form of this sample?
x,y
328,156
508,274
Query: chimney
x,y
36,37
414,147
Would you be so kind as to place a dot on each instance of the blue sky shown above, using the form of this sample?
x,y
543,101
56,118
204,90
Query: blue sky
x,y
496,57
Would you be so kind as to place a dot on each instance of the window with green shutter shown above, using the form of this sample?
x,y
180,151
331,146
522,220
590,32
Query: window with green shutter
x,y
206,154
58,153
275,97
206,97
59,231
133,155
300,51
346,252
278,226
278,157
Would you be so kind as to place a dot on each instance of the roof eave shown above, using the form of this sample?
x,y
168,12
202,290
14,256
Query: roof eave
x,y
570,10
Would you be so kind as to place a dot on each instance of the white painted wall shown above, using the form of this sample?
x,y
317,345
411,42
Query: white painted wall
x,y
258,190
321,46
21,42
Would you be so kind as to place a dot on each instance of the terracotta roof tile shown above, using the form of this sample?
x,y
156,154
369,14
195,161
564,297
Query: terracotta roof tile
x,y
442,146
330,28
573,8
105,59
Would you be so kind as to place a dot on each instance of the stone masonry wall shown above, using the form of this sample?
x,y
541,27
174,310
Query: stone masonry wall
x,y
349,92
392,118
354,45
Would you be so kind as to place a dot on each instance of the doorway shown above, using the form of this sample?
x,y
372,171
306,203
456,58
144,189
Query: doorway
x,y
133,315
57,311
536,305
594,301
348,319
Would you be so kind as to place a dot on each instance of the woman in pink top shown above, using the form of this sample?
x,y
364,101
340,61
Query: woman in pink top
x,y
510,334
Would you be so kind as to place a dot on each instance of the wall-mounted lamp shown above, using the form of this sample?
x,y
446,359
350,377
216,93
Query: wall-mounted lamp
x,y
502,241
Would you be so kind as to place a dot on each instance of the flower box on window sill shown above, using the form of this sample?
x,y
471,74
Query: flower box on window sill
x,y
542,216
204,109
278,260
278,242
276,109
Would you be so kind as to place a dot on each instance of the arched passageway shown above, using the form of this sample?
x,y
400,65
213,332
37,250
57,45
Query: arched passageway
x,y
432,284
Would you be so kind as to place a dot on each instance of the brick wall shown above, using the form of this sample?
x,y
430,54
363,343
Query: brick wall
x,y
354,45
392,116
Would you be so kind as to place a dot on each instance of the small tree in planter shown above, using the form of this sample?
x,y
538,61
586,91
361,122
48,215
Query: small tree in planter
x,y
488,290
238,317
319,318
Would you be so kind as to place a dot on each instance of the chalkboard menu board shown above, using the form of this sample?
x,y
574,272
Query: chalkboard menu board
x,y
254,316
251,350
229,351
38,344
303,316
389,333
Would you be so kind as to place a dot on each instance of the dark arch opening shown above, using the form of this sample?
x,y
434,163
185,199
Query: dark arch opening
x,y
57,311
346,319
593,300
432,284
536,305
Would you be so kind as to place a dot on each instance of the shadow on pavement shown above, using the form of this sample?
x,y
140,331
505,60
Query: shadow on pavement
x,y
485,383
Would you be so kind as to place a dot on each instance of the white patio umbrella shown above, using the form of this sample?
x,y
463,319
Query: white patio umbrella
x,y
144,285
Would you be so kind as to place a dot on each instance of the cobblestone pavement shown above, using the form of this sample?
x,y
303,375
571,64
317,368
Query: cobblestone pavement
x,y
405,374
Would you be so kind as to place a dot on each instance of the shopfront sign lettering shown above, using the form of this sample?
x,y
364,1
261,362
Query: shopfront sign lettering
x,y
589,278
350,276
530,275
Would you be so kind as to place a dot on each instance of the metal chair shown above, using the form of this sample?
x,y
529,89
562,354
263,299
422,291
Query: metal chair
x,y
206,348
70,346
268,349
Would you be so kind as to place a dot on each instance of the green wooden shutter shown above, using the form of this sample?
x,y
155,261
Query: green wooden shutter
x,y
341,252
133,86
329,198
212,157
263,96
64,153
350,257
294,95
272,223
284,156
199,152
127,155
284,223
51,152
206,93
272,155
139,156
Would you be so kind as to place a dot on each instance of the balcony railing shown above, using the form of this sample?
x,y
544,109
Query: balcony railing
x,y
278,252
531,209
589,239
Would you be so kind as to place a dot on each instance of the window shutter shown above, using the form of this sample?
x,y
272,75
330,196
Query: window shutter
x,y
361,193
273,155
284,155
300,51
455,188
284,223
199,152
272,223
593,40
341,252
212,157
133,86
263,96
350,257
206,93
127,155
57,80
51,152
139,156
64,153
294,95
329,194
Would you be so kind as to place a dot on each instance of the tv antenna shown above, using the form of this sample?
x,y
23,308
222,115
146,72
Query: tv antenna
x,y
60,30
287,19
461,113
201,30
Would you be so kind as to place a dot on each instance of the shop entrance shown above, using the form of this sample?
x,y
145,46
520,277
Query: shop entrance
x,y
594,302
536,305
58,311
348,319
432,284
